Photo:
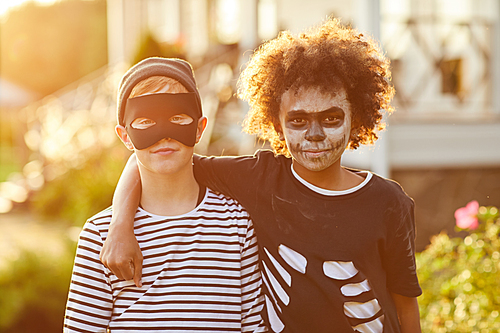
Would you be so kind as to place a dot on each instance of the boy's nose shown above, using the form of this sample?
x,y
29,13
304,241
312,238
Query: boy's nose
x,y
315,132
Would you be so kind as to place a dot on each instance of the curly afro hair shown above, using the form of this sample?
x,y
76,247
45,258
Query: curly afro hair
x,y
324,57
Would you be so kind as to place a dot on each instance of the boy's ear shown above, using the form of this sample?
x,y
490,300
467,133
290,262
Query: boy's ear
x,y
279,131
122,134
354,133
202,124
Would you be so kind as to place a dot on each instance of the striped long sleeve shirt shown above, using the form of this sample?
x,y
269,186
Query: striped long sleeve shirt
x,y
200,274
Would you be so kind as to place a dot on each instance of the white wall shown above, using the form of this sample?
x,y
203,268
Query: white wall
x,y
444,145
297,15
126,23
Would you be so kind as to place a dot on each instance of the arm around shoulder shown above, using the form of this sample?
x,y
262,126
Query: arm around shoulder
x,y
235,176
121,252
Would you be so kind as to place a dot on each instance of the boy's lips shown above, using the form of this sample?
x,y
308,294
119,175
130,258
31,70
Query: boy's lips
x,y
314,153
164,151
314,150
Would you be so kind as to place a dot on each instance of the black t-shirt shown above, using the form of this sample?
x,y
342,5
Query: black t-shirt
x,y
328,261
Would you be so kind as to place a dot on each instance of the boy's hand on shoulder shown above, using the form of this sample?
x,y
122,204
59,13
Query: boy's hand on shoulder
x,y
122,255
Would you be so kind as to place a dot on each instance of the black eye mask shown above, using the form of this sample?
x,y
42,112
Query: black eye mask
x,y
160,108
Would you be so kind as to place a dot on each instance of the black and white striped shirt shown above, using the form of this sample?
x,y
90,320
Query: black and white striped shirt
x,y
200,274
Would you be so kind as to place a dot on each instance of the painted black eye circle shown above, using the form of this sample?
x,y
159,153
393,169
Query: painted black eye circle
x,y
331,120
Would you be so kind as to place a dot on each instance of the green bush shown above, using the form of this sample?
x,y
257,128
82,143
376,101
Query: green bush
x,y
34,289
34,279
80,193
150,47
460,278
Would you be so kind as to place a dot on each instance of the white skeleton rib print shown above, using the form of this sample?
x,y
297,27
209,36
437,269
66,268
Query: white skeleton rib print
x,y
361,308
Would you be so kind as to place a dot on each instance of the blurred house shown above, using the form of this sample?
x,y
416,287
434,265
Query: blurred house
x,y
442,144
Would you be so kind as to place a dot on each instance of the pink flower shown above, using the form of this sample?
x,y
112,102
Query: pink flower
x,y
467,216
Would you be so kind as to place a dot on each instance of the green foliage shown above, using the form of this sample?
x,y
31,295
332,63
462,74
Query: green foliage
x,y
45,48
11,157
460,278
8,161
150,47
34,288
80,193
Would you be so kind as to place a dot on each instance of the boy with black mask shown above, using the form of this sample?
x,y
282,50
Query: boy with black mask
x,y
200,262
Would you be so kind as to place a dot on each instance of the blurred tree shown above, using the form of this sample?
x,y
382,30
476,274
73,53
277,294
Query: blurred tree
x,y
459,279
150,47
80,193
34,290
45,48
11,131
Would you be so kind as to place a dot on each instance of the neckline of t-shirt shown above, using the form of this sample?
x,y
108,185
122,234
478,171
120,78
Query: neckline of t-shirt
x,y
191,212
332,193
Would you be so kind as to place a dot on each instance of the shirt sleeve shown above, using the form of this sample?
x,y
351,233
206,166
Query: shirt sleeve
x,y
236,177
400,255
90,302
252,301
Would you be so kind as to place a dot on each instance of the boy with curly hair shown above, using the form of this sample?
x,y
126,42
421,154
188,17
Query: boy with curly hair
x,y
336,244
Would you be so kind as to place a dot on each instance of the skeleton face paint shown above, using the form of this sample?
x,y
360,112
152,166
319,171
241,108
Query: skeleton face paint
x,y
161,109
316,126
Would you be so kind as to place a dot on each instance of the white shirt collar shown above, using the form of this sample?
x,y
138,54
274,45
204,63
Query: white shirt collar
x,y
330,192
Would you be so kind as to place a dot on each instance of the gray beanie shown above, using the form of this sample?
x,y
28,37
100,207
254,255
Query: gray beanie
x,y
174,68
